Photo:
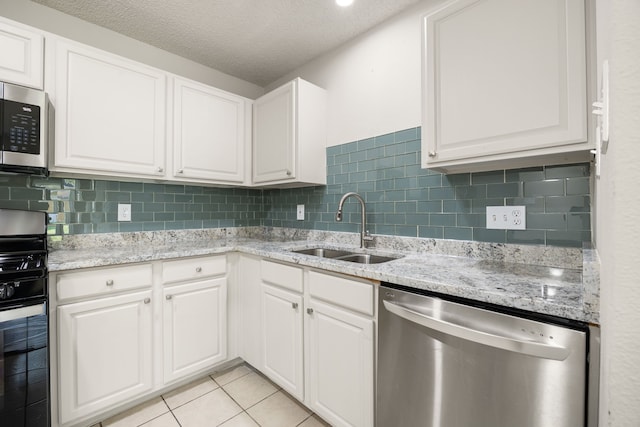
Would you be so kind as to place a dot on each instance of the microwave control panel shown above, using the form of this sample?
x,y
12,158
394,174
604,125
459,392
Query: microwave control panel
x,y
21,127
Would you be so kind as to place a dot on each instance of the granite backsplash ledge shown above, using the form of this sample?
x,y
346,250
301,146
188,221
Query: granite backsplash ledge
x,y
548,256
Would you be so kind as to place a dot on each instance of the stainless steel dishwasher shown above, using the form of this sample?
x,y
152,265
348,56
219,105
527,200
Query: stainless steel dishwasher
x,y
449,364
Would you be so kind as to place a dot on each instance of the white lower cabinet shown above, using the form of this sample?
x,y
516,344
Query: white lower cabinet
x,y
340,365
318,340
194,314
126,332
194,327
282,337
104,353
249,309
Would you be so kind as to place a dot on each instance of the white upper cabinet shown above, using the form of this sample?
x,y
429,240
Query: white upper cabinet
x,y
110,114
22,53
289,136
211,133
505,84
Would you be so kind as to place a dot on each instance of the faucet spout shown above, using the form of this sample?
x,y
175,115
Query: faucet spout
x,y
364,233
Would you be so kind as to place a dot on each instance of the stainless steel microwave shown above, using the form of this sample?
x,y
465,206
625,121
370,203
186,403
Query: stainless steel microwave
x,y
23,126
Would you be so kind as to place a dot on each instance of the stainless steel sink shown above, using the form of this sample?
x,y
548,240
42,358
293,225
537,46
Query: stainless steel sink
x,y
322,252
366,258
357,257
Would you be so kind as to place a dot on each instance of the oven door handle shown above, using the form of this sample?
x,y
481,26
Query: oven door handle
x,y
22,312
531,348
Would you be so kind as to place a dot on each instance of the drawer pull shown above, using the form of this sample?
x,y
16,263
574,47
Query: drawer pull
x,y
147,300
309,310
294,305
109,282
198,269
169,297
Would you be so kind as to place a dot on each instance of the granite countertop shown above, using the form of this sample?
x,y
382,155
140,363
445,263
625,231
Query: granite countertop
x,y
563,283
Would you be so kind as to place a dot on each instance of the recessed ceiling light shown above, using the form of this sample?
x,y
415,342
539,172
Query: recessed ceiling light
x,y
344,3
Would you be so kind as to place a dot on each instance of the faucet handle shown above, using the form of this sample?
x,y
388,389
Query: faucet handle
x,y
367,236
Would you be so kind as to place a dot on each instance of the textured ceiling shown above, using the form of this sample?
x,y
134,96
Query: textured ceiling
x,y
256,40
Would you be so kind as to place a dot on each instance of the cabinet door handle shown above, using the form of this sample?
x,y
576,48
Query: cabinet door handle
x,y
147,300
169,297
198,269
309,310
288,172
160,169
432,153
109,282
180,171
294,305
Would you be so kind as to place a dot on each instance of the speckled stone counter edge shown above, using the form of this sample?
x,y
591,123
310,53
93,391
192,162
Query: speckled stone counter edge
x,y
500,273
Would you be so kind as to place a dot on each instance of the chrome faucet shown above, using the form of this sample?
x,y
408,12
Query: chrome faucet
x,y
364,233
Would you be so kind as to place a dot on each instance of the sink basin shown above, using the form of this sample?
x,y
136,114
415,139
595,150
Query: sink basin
x,y
366,258
323,253
359,258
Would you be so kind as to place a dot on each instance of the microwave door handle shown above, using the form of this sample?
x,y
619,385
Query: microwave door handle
x,y
531,348
22,312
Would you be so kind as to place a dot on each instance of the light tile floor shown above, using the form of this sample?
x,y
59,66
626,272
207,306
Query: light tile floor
x,y
237,397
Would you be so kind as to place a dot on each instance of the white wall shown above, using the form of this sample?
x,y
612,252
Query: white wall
x,y
42,17
374,81
618,212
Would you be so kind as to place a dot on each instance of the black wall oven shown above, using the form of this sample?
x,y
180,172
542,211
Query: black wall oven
x,y
24,326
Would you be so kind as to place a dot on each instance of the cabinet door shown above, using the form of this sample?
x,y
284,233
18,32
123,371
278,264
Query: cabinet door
x,y
104,353
274,126
504,80
209,133
195,327
282,334
110,114
21,61
250,295
340,360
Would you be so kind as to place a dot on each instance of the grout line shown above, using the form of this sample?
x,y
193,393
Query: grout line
x,y
176,418
195,398
171,410
252,419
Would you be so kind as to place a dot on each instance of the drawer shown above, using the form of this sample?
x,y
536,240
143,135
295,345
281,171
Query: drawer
x,y
190,269
102,281
285,276
349,293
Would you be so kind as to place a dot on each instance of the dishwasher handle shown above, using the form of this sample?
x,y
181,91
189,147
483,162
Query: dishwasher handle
x,y
530,348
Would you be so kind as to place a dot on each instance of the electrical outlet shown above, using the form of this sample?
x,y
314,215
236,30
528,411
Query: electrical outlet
x,y
300,213
506,217
124,212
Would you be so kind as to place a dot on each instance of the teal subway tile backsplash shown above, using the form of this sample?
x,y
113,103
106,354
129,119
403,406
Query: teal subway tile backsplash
x,y
402,199
79,206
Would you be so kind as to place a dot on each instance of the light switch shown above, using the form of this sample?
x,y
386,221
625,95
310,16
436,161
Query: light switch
x,y
300,213
506,217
